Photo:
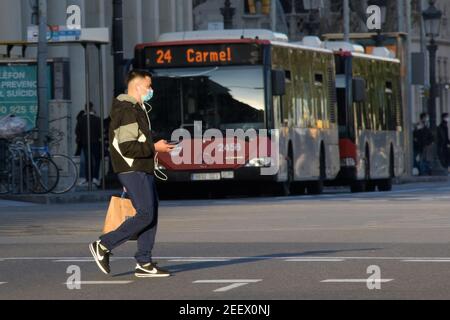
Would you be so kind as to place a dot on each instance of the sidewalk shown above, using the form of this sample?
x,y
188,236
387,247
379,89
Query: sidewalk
x,y
84,196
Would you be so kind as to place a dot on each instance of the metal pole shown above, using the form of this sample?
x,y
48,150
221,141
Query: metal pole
x,y
346,20
102,113
118,46
409,114
273,12
436,166
89,164
401,14
42,74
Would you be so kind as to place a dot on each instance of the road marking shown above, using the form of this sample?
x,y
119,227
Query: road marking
x,y
423,260
314,260
357,280
96,282
256,258
198,260
79,260
233,283
3,283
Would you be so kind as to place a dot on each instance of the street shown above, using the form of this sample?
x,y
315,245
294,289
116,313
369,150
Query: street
x,y
335,246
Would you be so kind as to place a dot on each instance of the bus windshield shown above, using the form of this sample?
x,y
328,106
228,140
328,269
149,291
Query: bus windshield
x,y
221,98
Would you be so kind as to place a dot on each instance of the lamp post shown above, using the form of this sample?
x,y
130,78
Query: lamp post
x,y
227,12
432,21
382,4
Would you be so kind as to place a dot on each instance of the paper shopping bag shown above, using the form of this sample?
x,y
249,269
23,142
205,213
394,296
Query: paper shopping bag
x,y
120,209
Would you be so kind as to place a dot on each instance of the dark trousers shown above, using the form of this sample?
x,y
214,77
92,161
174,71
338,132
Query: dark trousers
x,y
95,160
141,189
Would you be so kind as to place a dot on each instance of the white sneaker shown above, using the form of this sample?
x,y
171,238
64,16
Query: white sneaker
x,y
96,183
82,183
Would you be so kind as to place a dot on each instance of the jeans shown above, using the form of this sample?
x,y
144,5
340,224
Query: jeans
x,y
141,189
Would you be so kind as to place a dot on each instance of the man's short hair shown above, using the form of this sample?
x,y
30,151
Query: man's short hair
x,y
423,116
444,115
136,73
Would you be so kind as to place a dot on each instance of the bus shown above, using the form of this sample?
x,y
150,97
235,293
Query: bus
x,y
301,93
369,96
246,79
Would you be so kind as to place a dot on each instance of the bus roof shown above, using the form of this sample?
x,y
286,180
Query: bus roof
x,y
257,34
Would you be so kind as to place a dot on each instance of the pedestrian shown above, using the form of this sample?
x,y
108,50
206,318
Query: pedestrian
x,y
443,141
79,152
423,139
133,152
95,143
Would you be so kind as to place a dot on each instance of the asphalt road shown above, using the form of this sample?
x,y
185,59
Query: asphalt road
x,y
335,246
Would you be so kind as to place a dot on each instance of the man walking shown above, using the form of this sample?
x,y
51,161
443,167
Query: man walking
x,y
443,141
132,153
423,139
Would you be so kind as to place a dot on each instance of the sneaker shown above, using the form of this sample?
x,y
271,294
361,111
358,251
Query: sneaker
x,y
101,256
82,182
150,270
96,183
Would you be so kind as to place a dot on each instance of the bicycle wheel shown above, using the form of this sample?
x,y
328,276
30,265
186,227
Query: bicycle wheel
x,y
43,176
68,174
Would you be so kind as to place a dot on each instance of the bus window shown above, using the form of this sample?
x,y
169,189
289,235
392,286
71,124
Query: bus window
x,y
220,97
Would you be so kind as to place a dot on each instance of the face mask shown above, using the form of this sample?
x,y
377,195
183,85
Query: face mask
x,y
147,97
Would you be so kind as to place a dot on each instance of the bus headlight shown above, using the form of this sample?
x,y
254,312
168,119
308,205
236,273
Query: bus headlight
x,y
348,162
259,162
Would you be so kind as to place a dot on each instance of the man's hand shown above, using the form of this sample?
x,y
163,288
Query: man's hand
x,y
163,147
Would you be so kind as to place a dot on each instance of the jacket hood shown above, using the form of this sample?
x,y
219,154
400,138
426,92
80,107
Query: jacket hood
x,y
122,101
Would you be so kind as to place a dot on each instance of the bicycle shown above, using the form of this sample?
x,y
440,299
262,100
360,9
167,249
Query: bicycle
x,y
39,175
68,172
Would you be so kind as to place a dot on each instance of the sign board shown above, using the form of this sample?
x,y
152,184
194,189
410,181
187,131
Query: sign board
x,y
65,34
18,91
203,55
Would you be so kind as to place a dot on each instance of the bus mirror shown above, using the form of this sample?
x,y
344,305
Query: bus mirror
x,y
359,90
278,82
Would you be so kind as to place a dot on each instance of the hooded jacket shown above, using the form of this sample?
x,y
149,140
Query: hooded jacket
x,y
131,142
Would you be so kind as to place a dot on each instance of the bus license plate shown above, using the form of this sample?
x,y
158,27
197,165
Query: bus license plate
x,y
205,177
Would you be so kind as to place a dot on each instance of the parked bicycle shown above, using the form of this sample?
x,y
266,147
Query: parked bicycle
x,y
35,169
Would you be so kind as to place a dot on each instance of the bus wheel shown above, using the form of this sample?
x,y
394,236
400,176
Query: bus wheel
x,y
358,186
298,188
385,185
316,187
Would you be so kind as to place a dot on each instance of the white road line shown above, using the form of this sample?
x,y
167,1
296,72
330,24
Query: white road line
x,y
357,280
3,283
96,282
314,260
79,260
230,287
228,281
423,260
233,283
198,260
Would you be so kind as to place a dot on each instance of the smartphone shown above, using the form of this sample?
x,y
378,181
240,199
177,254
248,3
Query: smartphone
x,y
173,143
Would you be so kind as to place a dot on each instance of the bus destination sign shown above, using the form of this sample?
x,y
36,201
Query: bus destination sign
x,y
202,55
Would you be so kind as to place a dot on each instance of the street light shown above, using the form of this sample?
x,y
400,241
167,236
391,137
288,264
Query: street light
x,y
432,21
227,12
382,4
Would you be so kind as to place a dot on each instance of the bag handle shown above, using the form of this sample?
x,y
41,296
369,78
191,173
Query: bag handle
x,y
124,193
